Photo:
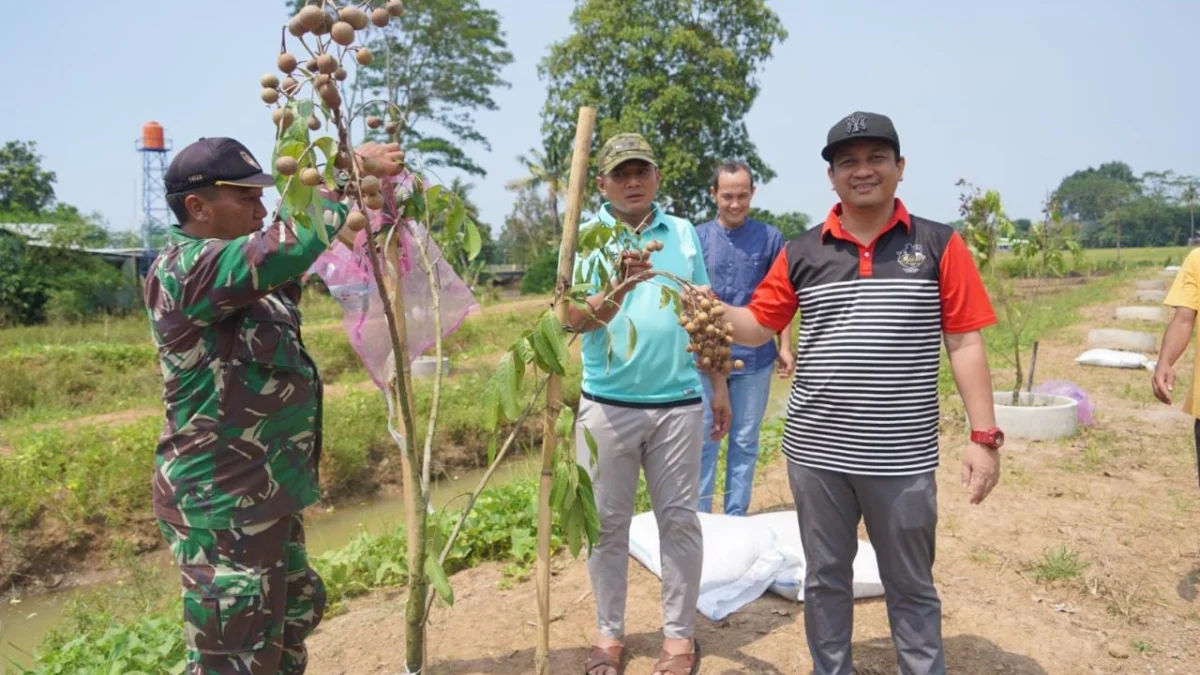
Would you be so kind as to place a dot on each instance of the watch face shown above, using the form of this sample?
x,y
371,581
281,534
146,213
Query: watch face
x,y
998,439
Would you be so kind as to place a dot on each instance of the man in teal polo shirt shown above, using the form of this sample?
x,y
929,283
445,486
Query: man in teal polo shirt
x,y
644,409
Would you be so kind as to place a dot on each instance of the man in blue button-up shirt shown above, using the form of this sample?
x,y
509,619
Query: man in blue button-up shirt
x,y
738,251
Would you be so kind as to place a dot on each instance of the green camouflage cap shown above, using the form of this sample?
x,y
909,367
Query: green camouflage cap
x,y
624,147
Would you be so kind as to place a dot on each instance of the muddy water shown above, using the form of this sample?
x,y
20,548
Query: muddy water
x,y
23,624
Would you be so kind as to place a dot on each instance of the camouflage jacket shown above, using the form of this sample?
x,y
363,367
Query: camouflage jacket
x,y
242,437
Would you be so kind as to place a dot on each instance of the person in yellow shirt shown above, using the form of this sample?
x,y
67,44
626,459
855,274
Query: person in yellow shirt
x,y
1184,296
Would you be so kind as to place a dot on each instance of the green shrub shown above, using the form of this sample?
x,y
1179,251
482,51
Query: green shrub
x,y
541,275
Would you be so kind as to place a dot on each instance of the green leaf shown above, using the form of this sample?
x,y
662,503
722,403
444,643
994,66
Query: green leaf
x,y
327,145
552,333
437,578
415,206
458,213
474,241
507,382
593,450
632,338
575,526
566,422
491,448
608,351
664,297
524,347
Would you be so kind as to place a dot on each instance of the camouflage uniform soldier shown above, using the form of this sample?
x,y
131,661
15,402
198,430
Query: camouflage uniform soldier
x,y
237,461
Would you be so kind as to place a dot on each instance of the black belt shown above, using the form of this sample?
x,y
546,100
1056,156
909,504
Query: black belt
x,y
642,404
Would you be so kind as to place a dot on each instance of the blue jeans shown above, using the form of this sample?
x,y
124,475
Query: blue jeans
x,y
748,394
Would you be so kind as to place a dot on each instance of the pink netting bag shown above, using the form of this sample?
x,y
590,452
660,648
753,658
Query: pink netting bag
x,y
346,272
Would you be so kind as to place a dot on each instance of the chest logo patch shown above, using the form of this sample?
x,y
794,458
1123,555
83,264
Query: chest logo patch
x,y
910,258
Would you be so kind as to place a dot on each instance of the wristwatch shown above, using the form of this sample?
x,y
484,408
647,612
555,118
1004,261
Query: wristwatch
x,y
989,438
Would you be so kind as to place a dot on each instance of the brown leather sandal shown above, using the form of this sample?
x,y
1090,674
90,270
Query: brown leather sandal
x,y
602,657
679,664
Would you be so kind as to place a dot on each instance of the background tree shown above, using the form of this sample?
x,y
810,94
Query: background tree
x,y
455,247
25,187
681,72
789,224
1189,193
438,63
550,170
528,232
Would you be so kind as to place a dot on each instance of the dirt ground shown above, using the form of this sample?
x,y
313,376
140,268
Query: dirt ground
x,y
1120,498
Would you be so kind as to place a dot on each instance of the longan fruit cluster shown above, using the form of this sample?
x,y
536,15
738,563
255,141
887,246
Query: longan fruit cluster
x,y
711,336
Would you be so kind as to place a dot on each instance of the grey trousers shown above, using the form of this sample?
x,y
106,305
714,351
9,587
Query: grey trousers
x,y
901,519
666,442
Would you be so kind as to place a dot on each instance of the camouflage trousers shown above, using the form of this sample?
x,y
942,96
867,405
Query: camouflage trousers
x,y
249,597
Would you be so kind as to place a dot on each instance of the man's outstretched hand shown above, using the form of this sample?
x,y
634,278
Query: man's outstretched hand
x,y
387,159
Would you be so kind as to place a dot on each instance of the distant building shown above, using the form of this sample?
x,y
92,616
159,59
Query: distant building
x,y
129,260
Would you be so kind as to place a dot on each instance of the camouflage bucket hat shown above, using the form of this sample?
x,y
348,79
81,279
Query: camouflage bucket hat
x,y
624,147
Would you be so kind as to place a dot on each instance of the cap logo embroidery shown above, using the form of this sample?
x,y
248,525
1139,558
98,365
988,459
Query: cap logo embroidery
x,y
250,160
910,258
856,124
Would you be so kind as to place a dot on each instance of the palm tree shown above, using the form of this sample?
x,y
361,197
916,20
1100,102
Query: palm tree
x,y
550,169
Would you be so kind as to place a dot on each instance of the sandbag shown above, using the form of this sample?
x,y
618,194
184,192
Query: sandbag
x,y
789,582
740,560
1113,358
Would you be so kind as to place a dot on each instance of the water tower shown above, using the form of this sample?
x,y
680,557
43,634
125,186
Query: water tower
x,y
154,148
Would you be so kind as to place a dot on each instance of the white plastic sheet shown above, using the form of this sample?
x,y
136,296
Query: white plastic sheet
x,y
744,557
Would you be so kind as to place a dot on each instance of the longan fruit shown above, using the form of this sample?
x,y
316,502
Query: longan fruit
x,y
363,56
286,62
284,116
369,185
395,7
311,17
380,17
373,202
327,64
374,122
270,95
314,123
286,165
269,81
356,221
353,16
310,177
330,95
343,33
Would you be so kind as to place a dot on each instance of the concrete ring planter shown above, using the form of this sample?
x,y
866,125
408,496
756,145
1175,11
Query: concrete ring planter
x,y
426,366
1039,417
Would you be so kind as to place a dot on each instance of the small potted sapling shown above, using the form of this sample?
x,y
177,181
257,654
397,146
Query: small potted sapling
x,y
1037,256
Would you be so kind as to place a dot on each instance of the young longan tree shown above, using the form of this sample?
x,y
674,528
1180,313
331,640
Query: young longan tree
x,y
326,38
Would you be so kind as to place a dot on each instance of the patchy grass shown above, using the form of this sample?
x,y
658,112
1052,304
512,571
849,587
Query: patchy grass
x,y
1058,564
74,377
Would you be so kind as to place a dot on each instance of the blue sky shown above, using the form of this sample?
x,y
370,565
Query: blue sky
x,y
1010,95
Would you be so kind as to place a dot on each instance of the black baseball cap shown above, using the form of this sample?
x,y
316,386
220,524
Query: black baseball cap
x,y
859,125
215,161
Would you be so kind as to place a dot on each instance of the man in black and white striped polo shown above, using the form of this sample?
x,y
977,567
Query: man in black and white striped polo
x,y
878,290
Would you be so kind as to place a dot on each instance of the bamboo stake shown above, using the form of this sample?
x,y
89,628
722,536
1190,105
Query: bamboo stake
x,y
566,262
414,505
